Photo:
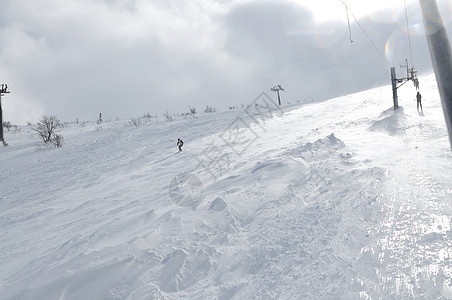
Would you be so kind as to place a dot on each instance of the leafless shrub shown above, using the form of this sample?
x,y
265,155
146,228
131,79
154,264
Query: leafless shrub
x,y
135,122
47,129
57,140
210,109
168,117
7,125
192,111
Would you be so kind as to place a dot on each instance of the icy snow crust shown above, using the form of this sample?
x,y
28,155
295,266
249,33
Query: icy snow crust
x,y
345,199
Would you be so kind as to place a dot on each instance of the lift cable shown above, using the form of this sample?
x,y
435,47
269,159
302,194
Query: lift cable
x,y
365,33
409,35
348,21
381,40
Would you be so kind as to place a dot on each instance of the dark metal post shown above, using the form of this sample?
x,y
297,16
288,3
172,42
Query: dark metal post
x,y
3,90
394,88
440,52
276,89
1,120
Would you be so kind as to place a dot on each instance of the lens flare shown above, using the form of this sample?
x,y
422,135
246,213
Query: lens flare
x,y
389,51
397,48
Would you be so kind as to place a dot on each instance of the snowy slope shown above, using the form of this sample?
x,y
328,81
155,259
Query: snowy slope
x,y
341,199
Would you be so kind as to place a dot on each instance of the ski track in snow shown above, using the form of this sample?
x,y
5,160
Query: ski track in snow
x,y
343,199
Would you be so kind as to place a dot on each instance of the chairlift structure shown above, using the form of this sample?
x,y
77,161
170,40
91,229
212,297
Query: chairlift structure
x,y
441,56
3,91
411,74
276,89
440,52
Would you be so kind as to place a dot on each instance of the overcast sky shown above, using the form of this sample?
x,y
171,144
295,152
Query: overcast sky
x,y
125,58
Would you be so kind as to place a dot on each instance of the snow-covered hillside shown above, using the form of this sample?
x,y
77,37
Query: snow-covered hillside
x,y
344,199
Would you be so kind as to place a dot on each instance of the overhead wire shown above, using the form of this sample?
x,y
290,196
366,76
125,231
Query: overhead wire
x,y
409,35
381,40
365,33
348,21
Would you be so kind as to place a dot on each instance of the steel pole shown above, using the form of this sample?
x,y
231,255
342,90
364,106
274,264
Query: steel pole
x,y
394,88
440,52
1,121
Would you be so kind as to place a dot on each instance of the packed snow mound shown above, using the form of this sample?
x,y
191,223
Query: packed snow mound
x,y
318,150
390,121
287,170
260,184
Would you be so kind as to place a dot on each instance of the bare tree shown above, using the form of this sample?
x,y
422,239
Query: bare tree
x,y
7,125
47,130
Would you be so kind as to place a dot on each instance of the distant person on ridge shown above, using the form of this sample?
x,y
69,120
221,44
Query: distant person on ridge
x,y
99,121
418,98
180,143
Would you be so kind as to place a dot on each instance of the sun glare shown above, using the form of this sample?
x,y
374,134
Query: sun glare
x,y
324,10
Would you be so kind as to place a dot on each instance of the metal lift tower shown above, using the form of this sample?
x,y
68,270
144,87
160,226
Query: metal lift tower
x,y
276,89
3,91
411,74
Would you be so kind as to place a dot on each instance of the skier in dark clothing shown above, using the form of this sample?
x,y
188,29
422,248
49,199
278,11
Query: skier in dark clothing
x,y
418,98
180,143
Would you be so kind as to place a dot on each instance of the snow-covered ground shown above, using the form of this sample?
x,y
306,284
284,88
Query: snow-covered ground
x,y
344,199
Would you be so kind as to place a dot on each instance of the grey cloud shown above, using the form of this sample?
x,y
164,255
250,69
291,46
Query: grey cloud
x,y
126,58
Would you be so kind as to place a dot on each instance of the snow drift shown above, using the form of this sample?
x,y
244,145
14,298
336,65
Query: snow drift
x,y
341,199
